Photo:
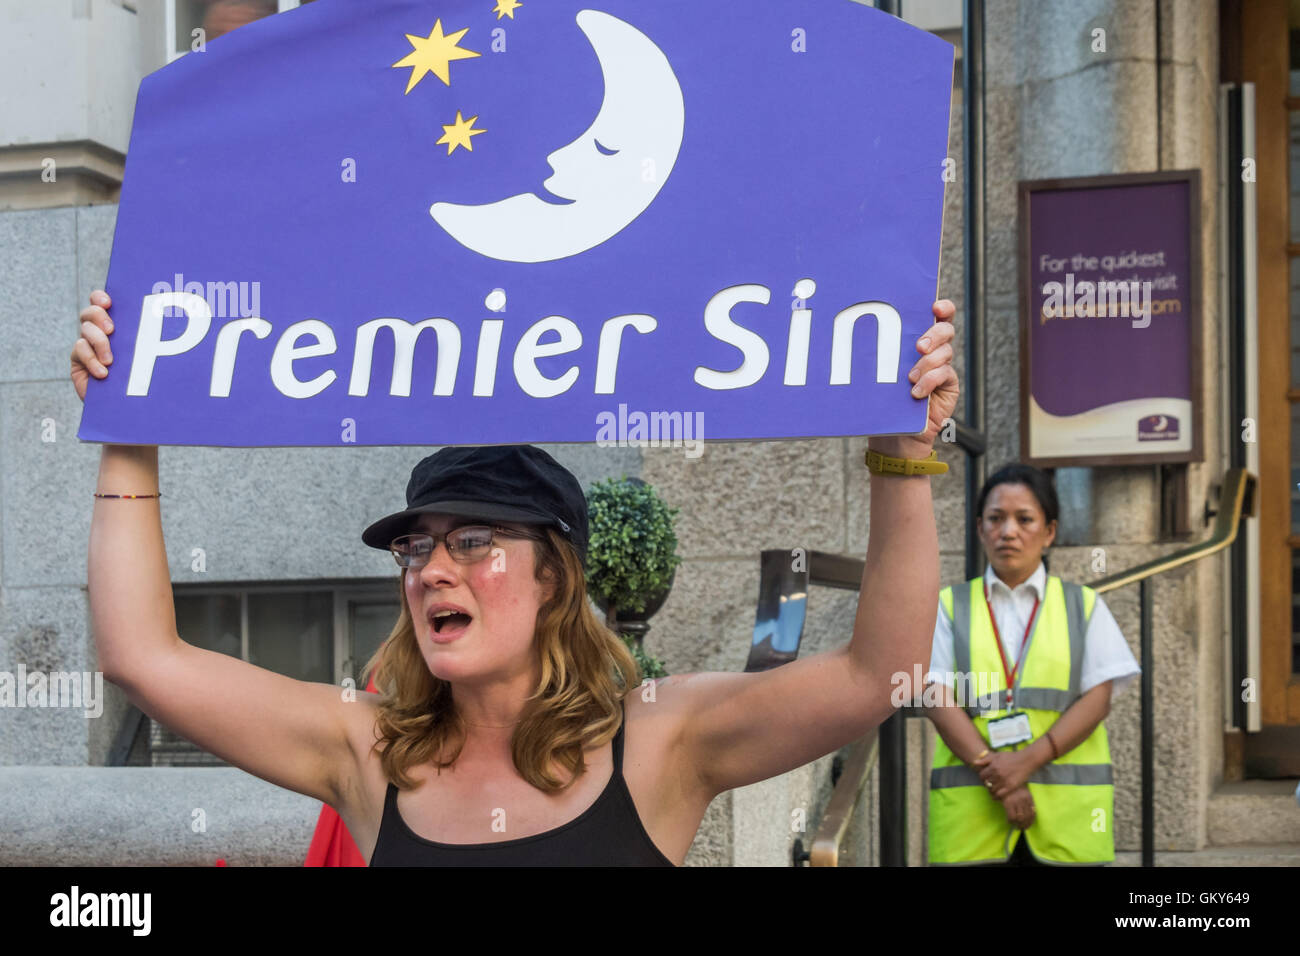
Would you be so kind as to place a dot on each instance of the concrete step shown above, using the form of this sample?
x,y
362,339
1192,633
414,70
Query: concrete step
x,y
1253,812
1280,854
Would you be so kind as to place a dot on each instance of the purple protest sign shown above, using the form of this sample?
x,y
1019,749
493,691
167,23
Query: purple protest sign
x,y
1110,320
740,238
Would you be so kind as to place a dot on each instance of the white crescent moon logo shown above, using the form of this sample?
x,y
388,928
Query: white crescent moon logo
x,y
610,174
1160,425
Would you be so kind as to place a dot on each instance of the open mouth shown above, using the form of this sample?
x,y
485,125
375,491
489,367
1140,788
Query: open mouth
x,y
445,622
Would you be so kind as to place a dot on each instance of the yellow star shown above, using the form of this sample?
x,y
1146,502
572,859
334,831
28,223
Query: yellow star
x,y
506,8
433,54
459,133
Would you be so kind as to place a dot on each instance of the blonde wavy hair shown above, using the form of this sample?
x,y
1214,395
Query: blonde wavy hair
x,y
586,671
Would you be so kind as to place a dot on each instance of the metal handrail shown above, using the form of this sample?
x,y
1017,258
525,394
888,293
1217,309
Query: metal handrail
x,y
120,751
1238,484
784,578
844,800
1232,501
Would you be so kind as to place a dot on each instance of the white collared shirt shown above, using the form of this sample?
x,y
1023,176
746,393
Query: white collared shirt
x,y
1106,655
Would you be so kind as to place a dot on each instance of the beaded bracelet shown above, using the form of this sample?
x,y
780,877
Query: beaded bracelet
x,y
158,495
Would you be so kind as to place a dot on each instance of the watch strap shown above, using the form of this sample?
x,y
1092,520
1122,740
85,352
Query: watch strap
x,y
879,464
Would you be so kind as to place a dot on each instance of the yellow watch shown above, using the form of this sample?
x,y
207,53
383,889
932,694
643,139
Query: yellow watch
x,y
879,464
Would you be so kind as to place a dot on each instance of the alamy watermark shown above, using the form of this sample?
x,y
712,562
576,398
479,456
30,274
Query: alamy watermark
x,y
128,910
969,688
227,300
1100,300
75,689
638,429
1117,297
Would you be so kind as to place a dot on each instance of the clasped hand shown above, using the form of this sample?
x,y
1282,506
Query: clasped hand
x,y
1004,772
1019,805
1006,776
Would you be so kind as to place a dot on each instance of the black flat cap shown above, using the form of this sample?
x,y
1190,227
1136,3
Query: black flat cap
x,y
499,483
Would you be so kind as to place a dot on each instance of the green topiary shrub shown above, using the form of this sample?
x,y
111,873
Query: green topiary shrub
x,y
631,558
632,552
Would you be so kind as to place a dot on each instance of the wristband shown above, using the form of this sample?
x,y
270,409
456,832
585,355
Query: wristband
x,y
879,464
1055,753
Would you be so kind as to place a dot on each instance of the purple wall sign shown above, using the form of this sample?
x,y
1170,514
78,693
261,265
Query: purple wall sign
x,y
1110,319
401,222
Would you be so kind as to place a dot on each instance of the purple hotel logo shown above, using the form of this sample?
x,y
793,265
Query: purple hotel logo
x,y
1158,428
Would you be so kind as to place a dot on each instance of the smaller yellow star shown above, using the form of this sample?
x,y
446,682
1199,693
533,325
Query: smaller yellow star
x,y
459,133
506,8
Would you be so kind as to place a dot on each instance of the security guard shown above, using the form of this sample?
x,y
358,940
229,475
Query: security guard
x,y
1028,662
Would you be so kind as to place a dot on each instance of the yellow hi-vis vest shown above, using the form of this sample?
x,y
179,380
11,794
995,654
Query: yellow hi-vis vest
x,y
1074,794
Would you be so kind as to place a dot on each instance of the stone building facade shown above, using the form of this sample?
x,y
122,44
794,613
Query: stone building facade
x,y
1052,105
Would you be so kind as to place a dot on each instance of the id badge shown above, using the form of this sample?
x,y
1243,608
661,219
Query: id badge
x,y
1009,730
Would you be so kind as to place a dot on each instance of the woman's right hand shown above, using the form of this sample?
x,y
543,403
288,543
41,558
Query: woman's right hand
x,y
1019,805
91,354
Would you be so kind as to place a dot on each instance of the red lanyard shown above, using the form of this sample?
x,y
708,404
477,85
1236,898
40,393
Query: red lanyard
x,y
1009,672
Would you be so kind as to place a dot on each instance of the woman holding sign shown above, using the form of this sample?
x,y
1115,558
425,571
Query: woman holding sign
x,y
1028,662
509,727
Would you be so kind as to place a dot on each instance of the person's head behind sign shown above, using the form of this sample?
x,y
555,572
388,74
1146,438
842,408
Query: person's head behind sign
x,y
222,16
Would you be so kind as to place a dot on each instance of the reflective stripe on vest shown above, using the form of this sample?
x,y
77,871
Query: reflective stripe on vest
x,y
1037,698
1077,775
1074,794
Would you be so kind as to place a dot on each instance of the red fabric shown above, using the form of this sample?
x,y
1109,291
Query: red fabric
x,y
332,844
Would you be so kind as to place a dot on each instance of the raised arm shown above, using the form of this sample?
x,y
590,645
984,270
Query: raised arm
x,y
737,729
289,732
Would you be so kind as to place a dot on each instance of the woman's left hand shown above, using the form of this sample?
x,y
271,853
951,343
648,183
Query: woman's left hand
x,y
1004,773
933,374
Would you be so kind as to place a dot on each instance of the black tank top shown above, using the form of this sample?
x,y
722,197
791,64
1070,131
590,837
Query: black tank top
x,y
608,833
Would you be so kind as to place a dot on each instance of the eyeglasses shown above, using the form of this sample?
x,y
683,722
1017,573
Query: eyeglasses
x,y
466,544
